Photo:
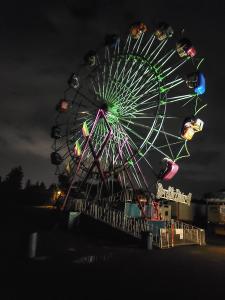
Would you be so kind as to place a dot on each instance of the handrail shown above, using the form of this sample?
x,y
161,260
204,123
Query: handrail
x,y
163,237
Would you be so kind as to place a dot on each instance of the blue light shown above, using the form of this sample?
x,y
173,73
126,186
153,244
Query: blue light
x,y
200,88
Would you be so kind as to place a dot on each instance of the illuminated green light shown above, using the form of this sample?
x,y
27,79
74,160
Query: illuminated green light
x,y
112,113
160,78
130,162
162,89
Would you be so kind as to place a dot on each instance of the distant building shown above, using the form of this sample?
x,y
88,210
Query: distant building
x,y
210,209
215,203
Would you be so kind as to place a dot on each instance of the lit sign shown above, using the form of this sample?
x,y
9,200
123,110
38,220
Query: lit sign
x,y
172,194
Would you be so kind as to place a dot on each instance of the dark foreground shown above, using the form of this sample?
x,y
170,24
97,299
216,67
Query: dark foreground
x,y
92,262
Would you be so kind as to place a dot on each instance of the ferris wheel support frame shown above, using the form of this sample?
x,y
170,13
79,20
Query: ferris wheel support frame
x,y
97,156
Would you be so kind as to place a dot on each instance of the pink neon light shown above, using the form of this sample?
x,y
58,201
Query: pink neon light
x,y
172,169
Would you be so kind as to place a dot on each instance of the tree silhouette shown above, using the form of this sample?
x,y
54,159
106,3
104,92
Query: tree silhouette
x,y
14,194
28,185
42,186
13,180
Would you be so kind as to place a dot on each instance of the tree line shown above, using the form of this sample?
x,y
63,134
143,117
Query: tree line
x,y
14,193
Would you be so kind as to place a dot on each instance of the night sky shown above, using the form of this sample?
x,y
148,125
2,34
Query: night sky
x,y
42,42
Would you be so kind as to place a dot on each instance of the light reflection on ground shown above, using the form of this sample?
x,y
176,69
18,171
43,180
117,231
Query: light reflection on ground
x,y
90,259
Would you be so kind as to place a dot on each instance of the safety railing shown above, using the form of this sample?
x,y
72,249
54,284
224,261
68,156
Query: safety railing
x,y
114,218
165,234
178,233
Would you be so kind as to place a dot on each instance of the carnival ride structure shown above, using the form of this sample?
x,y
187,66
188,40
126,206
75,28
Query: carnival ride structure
x,y
126,118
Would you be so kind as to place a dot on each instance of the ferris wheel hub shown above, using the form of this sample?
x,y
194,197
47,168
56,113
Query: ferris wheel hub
x,y
111,112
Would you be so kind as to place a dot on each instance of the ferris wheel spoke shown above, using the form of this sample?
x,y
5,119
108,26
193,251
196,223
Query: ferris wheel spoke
x,y
134,83
117,47
158,50
141,155
103,82
107,55
168,134
122,91
165,59
136,177
134,67
139,102
109,81
138,43
99,91
139,107
81,105
139,65
171,144
179,98
134,173
171,70
145,89
132,131
171,100
179,156
136,97
131,81
189,100
160,151
146,141
135,123
87,115
121,77
165,135
173,83
143,117
145,92
128,136
112,80
127,44
148,45
170,85
106,80
88,99
115,76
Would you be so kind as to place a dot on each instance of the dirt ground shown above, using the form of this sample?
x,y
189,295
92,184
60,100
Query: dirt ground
x,y
93,262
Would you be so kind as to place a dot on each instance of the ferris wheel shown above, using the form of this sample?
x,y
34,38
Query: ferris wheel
x,y
128,115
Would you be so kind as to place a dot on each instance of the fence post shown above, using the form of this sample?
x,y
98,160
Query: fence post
x,y
73,219
160,238
149,240
172,232
33,244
